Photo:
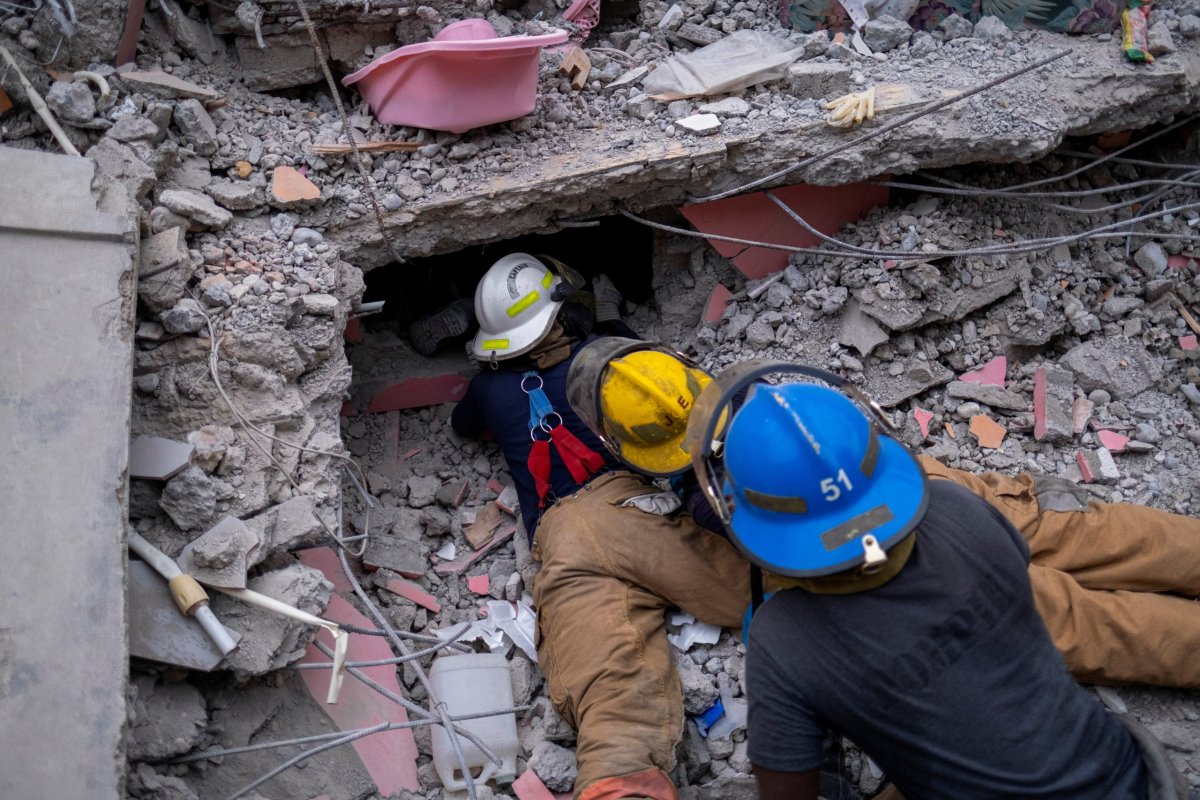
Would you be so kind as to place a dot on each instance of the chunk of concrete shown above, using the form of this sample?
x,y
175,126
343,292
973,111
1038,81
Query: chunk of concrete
x,y
196,207
157,458
163,269
1097,466
288,61
993,396
196,125
819,80
190,499
168,719
222,555
1053,398
396,553
859,331
1122,367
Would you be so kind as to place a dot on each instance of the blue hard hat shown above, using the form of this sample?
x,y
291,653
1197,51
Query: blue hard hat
x,y
816,488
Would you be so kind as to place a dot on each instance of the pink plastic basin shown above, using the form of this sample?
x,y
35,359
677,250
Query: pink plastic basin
x,y
463,78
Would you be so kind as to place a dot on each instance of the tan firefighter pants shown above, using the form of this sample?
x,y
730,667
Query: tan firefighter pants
x,y
608,575
1113,581
1099,575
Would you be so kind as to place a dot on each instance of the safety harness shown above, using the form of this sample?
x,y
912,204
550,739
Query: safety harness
x,y
580,460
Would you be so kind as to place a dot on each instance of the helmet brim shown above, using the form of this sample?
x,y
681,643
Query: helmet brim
x,y
517,342
809,546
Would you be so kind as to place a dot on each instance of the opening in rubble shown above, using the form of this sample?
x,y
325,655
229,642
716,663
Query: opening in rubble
x,y
614,246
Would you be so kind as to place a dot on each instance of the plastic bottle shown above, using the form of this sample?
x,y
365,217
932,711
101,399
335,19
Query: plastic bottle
x,y
472,684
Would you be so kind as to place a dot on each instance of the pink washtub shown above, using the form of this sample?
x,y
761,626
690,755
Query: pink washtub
x,y
463,78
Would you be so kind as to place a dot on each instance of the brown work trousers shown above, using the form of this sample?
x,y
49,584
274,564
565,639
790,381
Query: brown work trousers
x,y
608,575
1100,579
1113,582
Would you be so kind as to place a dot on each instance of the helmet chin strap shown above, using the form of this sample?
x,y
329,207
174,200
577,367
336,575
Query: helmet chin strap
x,y
862,578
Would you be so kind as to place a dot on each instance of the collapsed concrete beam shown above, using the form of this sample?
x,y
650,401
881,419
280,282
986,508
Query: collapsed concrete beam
x,y
1092,90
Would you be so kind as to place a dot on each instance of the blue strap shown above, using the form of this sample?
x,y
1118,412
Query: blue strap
x,y
540,406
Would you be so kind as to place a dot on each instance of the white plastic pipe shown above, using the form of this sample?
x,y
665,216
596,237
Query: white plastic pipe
x,y
341,639
165,566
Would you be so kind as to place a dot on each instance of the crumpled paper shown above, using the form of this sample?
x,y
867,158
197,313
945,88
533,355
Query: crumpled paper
x,y
741,59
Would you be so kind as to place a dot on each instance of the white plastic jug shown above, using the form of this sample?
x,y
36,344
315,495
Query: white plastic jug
x,y
472,684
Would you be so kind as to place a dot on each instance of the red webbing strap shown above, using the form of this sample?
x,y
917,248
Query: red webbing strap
x,y
539,467
581,461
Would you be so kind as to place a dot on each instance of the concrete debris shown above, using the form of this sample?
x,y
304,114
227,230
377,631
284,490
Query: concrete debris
x,y
241,220
167,719
271,641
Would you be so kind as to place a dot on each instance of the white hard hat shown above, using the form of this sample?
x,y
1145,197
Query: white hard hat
x,y
515,306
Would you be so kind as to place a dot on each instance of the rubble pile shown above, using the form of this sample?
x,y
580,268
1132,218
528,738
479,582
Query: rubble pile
x,y
1078,359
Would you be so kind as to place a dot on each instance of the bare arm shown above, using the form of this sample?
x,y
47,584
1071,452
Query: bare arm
x,y
774,785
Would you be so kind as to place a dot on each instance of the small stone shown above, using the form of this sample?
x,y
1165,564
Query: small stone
x,y
1151,258
1100,397
728,107
1189,26
236,196
992,29
554,765
1147,433
886,33
190,499
956,27
307,236
132,128
320,305
196,125
703,124
243,169
72,101
1159,41
186,316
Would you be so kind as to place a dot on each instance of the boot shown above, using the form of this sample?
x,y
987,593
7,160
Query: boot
x,y
455,321
649,784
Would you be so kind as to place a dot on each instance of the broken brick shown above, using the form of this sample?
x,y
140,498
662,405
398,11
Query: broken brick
x,y
1097,466
327,561
923,417
462,562
530,787
481,531
495,486
990,374
1179,261
479,584
289,186
987,431
1114,442
718,298
419,392
411,591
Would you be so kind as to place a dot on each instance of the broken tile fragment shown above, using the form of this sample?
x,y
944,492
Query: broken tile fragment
x,y
1081,413
419,392
289,187
1114,442
1097,466
923,417
479,584
1053,398
989,433
487,521
508,500
462,562
990,374
530,787
413,592
715,308
158,459
389,756
1188,342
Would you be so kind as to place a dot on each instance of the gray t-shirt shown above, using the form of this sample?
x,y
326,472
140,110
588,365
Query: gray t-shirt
x,y
945,676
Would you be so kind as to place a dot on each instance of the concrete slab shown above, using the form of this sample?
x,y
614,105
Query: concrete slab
x,y
66,318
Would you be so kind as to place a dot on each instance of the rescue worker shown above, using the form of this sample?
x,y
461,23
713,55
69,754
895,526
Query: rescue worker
x,y
902,614
610,569
1113,582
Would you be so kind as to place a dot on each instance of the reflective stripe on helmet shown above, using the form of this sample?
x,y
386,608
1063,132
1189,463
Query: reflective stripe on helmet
x,y
522,304
494,344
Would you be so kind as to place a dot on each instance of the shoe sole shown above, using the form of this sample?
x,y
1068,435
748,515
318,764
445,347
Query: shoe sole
x,y
428,334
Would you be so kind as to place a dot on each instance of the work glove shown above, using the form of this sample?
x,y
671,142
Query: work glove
x,y
608,299
851,109
662,503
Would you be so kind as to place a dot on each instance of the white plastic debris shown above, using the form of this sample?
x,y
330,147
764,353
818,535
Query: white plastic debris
x,y
741,59
735,714
695,633
518,621
700,123
679,618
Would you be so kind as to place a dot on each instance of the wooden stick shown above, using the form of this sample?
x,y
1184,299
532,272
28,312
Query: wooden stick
x,y
366,147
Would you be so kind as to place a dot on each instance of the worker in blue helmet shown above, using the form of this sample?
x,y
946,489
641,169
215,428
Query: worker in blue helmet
x,y
900,613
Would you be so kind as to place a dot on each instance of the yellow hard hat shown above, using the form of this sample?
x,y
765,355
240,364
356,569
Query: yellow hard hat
x,y
646,398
